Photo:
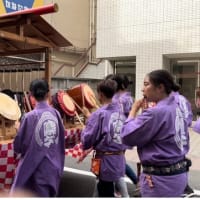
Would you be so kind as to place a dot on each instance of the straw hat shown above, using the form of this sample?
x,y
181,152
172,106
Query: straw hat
x,y
9,107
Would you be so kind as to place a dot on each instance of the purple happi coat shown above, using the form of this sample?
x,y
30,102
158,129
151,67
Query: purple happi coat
x,y
40,141
125,99
196,126
102,132
185,107
161,136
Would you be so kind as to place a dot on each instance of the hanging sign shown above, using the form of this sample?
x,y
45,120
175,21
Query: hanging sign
x,y
7,6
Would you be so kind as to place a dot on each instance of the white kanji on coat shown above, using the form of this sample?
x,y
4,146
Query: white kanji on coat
x,y
49,133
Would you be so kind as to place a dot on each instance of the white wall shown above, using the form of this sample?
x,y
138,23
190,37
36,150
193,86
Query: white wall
x,y
147,29
71,20
97,71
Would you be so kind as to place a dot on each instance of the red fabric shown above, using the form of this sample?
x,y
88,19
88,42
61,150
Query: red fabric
x,y
72,137
77,152
73,144
8,165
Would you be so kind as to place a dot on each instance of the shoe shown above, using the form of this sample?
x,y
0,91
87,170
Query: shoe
x,y
117,194
136,192
188,190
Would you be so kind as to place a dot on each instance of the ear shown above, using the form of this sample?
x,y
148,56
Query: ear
x,y
100,96
161,88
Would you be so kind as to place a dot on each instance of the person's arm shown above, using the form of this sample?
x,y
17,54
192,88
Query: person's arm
x,y
25,132
135,108
186,109
190,114
138,131
128,103
86,112
92,131
20,137
196,127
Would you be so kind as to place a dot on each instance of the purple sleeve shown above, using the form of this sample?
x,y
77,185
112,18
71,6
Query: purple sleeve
x,y
20,139
91,133
25,132
186,108
140,130
196,127
190,115
127,105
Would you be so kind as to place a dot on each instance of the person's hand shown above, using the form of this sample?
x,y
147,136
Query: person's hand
x,y
84,154
86,112
136,107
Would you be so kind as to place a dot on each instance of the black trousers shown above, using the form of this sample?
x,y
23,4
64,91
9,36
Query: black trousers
x,y
105,189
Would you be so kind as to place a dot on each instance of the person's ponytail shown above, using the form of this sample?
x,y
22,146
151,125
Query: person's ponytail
x,y
175,87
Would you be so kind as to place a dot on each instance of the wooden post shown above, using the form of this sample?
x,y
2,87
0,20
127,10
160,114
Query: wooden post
x,y
48,66
48,70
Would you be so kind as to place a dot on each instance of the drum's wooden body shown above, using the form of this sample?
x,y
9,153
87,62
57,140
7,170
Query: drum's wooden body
x,y
31,101
63,103
7,129
83,95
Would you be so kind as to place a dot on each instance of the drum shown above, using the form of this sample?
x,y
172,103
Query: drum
x,y
63,103
9,114
7,129
83,95
31,101
9,107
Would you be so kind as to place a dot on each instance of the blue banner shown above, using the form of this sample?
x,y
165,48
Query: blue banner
x,y
16,5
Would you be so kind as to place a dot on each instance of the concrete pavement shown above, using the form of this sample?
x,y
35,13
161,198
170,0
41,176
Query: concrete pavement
x,y
194,152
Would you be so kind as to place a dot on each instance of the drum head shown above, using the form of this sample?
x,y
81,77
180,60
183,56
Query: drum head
x,y
89,95
66,103
9,107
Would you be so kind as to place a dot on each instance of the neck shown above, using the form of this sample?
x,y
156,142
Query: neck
x,y
106,101
121,91
44,100
162,96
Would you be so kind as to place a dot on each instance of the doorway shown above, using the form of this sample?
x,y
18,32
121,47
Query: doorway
x,y
127,68
186,73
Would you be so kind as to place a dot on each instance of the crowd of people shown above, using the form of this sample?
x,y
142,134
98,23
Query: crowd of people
x,y
159,132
